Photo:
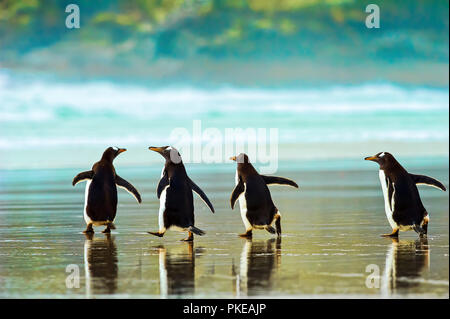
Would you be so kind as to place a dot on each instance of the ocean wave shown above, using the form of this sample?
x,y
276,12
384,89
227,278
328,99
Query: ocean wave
x,y
45,101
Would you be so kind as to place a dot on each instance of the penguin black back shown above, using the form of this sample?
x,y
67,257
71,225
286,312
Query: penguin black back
x,y
175,193
256,205
101,191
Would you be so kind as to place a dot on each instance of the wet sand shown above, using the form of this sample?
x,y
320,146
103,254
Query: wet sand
x,y
330,242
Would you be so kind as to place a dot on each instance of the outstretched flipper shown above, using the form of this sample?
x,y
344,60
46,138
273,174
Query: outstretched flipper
x,y
163,183
275,180
426,180
83,176
128,187
202,195
237,191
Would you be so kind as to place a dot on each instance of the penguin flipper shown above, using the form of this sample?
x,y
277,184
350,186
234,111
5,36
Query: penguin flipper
x,y
82,177
237,191
202,195
128,187
196,230
426,180
163,183
271,180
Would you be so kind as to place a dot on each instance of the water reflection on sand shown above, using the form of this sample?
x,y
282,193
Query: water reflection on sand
x,y
100,265
258,261
406,260
330,236
177,270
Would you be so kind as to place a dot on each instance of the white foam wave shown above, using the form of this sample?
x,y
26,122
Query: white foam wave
x,y
44,101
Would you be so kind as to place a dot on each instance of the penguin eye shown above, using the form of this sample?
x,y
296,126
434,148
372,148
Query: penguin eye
x,y
381,155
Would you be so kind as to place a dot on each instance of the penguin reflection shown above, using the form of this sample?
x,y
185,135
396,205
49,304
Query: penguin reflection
x,y
100,264
405,262
177,271
258,261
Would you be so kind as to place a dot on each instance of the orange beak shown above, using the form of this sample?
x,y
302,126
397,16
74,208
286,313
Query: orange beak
x,y
157,149
371,158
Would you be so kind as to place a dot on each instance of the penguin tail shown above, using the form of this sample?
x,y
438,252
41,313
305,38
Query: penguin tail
x,y
196,230
270,229
418,229
111,225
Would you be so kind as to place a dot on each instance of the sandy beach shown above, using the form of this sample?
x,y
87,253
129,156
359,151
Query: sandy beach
x,y
331,229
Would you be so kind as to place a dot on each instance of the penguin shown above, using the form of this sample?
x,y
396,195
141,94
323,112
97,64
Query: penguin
x,y
100,204
404,209
257,208
174,191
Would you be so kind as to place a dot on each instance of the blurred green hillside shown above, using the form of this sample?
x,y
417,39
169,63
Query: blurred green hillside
x,y
254,42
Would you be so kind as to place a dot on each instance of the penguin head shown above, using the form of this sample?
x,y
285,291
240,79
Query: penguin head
x,y
170,153
384,159
240,159
111,153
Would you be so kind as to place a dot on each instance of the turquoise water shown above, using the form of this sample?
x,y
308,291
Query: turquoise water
x,y
54,124
50,131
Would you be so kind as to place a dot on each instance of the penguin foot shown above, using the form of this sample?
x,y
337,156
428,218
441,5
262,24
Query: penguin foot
x,y
278,226
393,234
156,233
89,229
107,230
421,230
270,229
189,238
247,234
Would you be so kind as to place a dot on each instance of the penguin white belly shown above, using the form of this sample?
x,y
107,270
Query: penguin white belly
x,y
243,205
387,206
87,219
162,209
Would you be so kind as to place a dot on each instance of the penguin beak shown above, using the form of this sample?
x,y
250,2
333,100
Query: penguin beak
x,y
157,149
233,158
371,158
121,150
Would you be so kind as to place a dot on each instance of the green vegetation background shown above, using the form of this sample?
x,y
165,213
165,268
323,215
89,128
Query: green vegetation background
x,y
250,43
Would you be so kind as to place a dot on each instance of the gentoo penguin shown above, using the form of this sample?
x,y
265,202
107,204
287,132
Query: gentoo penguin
x,y
257,208
101,192
174,191
404,209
